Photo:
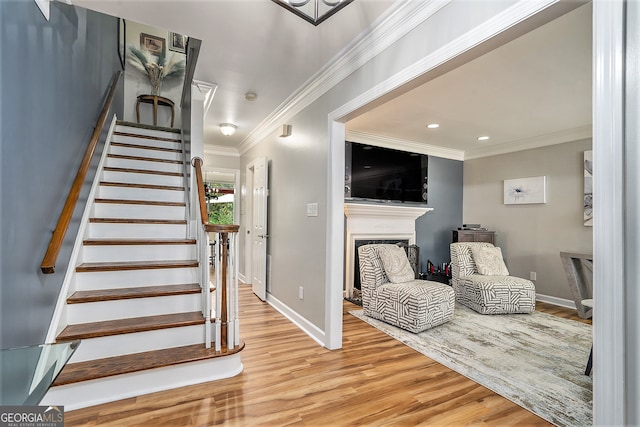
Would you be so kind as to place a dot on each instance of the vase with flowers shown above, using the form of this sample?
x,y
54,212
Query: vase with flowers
x,y
157,69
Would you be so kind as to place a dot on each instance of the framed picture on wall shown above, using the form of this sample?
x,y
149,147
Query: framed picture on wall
x,y
177,42
155,45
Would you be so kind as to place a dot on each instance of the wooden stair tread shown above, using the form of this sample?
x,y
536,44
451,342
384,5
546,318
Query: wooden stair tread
x,y
145,186
102,368
134,292
139,202
144,171
146,147
137,135
137,221
144,159
134,265
137,242
128,326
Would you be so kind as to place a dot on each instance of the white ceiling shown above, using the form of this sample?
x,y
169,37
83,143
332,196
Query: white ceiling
x,y
535,89
531,91
249,45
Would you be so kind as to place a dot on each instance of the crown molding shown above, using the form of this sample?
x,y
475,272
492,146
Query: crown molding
x,y
404,145
221,150
205,92
575,134
397,22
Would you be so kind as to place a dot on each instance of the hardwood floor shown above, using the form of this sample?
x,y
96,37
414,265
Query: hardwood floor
x,y
289,379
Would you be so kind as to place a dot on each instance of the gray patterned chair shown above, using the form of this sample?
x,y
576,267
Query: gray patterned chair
x,y
414,305
486,286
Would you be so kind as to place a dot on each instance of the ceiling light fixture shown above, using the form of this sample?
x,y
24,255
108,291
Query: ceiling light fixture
x,y
483,138
313,11
250,96
433,125
228,129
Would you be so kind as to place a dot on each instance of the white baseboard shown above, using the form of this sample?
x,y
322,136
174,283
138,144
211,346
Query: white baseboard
x,y
307,327
556,301
242,279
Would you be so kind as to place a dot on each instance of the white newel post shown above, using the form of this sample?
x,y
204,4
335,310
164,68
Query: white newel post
x,y
377,222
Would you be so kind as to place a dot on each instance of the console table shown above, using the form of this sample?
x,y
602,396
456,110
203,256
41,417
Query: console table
x,y
579,270
155,100
473,236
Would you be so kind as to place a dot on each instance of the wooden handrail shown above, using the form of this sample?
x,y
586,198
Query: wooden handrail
x,y
197,165
53,250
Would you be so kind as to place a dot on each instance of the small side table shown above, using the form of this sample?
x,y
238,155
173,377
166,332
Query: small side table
x,y
155,100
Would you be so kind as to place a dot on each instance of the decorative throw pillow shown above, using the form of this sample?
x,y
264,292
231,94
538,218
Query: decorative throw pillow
x,y
489,261
395,263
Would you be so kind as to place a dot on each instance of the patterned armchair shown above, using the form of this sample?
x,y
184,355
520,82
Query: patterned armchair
x,y
414,305
488,293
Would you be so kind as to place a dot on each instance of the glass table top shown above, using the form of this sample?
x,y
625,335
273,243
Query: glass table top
x,y
26,373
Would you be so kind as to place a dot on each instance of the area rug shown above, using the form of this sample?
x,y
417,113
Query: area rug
x,y
535,360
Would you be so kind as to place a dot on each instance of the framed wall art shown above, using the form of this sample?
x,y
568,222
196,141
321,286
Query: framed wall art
x,y
155,45
523,191
177,42
588,188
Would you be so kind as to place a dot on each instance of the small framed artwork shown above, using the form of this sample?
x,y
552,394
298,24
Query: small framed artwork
x,y
523,191
155,45
588,189
177,42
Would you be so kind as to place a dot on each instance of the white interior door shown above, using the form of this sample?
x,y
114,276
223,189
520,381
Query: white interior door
x,y
259,231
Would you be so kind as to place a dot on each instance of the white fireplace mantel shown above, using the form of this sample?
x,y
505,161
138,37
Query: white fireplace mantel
x,y
377,222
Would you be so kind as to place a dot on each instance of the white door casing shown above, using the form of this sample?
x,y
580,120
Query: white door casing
x,y
259,235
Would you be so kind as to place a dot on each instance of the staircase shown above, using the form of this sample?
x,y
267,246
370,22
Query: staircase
x,y
134,299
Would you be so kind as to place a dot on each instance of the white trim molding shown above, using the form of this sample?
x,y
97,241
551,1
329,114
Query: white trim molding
x,y
562,302
575,134
221,150
307,327
401,18
205,92
404,145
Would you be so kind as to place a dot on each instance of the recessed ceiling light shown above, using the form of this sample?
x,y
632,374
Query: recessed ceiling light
x,y
433,125
483,138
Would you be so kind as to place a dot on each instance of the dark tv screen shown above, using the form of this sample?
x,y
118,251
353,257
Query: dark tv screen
x,y
383,174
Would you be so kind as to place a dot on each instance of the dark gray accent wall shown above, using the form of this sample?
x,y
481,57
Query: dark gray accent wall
x,y
53,81
433,229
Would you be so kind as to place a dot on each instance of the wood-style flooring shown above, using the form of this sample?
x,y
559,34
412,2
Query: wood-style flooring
x,y
288,379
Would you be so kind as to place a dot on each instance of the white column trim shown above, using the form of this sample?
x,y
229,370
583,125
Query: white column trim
x,y
609,213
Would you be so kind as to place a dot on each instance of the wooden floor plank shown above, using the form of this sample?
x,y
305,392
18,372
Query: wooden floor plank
x,y
289,379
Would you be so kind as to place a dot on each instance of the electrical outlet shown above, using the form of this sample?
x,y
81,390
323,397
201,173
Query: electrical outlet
x,y
532,275
301,292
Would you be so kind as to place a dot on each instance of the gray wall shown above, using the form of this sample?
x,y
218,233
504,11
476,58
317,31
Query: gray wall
x,y
532,236
433,229
53,82
299,166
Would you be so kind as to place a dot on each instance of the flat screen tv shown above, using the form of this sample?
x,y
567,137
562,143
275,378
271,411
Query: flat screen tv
x,y
385,175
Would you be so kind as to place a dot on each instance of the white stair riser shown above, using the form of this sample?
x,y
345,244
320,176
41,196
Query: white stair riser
x,y
144,164
133,193
88,393
148,132
121,253
144,152
137,231
123,309
95,280
117,345
142,178
117,210
147,142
